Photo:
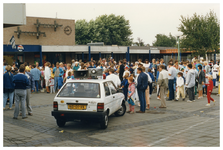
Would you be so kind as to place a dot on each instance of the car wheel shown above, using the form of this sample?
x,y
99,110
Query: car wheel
x,y
104,122
121,111
61,122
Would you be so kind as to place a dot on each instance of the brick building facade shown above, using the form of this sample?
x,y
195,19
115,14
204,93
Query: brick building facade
x,y
63,35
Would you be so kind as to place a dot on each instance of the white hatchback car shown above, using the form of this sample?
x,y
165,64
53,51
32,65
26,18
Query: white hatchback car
x,y
88,100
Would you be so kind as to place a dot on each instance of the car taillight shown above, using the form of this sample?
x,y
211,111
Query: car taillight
x,y
55,106
100,107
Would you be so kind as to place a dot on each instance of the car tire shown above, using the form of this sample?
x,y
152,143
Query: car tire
x,y
61,123
121,111
104,122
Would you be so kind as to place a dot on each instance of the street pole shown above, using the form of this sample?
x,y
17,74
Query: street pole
x,y
178,37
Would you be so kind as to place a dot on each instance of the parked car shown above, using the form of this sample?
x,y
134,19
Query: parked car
x,y
88,100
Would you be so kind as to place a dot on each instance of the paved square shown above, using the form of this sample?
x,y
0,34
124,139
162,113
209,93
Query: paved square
x,y
181,124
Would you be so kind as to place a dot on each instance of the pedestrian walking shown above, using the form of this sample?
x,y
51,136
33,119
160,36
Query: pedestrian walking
x,y
21,81
8,87
209,90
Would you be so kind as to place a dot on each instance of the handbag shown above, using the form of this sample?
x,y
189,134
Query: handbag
x,y
131,101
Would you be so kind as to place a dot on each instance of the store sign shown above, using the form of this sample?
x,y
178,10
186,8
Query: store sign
x,y
20,48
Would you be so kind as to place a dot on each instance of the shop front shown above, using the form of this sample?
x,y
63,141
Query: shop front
x,y
22,53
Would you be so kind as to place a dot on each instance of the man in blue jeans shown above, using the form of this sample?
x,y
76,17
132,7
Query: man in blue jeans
x,y
171,75
58,72
142,83
36,73
21,81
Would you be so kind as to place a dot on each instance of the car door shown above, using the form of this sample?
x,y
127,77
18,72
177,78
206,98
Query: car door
x,y
108,98
115,103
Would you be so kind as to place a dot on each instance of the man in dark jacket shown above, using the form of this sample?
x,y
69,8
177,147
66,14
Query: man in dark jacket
x,y
142,83
201,81
21,81
30,87
121,70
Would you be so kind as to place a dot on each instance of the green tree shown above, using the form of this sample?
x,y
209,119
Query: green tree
x,y
112,30
165,41
201,34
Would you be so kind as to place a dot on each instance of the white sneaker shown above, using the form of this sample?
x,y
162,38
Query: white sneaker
x,y
208,105
189,101
193,100
214,102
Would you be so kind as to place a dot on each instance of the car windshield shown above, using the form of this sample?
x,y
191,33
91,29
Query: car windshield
x,y
80,89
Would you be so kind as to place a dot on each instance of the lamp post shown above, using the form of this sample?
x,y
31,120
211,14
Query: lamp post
x,y
178,38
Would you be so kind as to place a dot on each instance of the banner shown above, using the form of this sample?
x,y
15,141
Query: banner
x,y
12,41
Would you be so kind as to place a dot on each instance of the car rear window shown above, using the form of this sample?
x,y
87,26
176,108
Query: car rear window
x,y
82,90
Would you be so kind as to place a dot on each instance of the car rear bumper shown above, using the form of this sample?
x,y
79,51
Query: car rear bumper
x,y
71,115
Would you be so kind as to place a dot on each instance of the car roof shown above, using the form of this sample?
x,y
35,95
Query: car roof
x,y
89,80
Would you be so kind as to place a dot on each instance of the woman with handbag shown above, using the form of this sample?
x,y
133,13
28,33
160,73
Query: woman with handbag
x,y
8,87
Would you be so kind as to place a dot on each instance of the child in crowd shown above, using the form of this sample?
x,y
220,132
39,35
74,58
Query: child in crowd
x,y
180,86
52,84
209,90
131,95
124,85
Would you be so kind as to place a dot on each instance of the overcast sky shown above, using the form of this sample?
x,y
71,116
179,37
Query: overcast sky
x,y
146,19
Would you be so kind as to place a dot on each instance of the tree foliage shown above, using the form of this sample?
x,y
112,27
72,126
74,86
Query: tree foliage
x,y
112,30
140,42
165,41
201,34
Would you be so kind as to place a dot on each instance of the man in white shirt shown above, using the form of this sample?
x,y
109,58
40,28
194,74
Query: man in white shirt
x,y
47,74
114,78
68,69
171,76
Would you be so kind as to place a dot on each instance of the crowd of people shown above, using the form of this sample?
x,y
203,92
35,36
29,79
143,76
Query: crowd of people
x,y
138,80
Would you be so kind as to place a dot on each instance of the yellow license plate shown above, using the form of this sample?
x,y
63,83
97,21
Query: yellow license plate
x,y
78,107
